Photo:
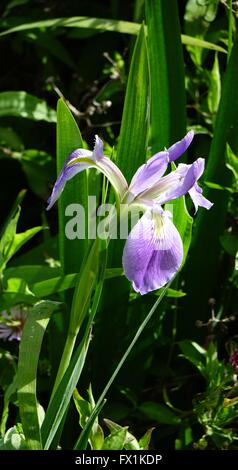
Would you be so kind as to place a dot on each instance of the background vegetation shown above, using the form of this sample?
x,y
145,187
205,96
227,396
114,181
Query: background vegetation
x,y
180,378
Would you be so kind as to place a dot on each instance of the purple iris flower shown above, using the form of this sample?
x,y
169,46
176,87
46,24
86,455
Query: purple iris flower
x,y
153,252
81,159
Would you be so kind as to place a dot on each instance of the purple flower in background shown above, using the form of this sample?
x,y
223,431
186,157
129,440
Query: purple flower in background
x,y
234,360
153,252
12,323
81,159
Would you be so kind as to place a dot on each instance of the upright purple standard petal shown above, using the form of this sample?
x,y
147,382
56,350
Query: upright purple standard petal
x,y
180,147
68,171
149,173
153,252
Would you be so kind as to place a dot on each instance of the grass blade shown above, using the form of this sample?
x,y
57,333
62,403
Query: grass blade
x,y
102,24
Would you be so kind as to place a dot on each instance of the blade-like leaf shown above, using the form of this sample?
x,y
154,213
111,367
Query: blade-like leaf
x,y
131,151
102,24
62,396
68,139
30,347
168,116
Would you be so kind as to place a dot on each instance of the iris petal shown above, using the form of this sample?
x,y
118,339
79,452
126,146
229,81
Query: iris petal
x,y
68,171
153,252
180,147
198,199
80,160
175,184
149,173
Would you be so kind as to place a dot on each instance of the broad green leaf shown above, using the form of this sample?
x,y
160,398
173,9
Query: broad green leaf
x,y
24,105
132,145
159,413
130,442
32,274
59,284
11,241
116,440
101,24
84,409
168,115
19,240
44,281
68,139
30,347
14,439
194,353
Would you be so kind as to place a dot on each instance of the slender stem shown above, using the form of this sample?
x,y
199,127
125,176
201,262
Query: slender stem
x,y
65,359
119,366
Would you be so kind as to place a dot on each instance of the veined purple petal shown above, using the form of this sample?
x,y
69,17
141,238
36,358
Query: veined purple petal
x,y
180,147
149,173
68,171
198,199
176,184
153,252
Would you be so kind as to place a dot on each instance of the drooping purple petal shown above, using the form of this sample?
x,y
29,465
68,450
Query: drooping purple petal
x,y
153,252
68,171
149,173
177,183
198,199
180,147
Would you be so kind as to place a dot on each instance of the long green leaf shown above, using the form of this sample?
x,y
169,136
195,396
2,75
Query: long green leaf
x,y
60,401
68,139
101,24
24,105
29,352
168,116
136,113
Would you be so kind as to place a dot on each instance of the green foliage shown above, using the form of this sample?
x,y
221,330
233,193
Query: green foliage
x,y
24,105
168,359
